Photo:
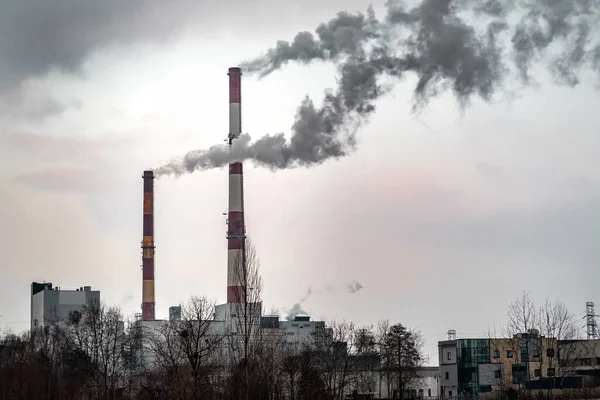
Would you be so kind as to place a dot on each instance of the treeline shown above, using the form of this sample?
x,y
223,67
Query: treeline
x,y
98,354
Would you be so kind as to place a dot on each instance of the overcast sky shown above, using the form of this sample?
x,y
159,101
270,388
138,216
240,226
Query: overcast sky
x,y
444,216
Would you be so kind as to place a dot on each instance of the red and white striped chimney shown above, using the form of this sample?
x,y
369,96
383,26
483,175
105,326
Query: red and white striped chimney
x,y
236,230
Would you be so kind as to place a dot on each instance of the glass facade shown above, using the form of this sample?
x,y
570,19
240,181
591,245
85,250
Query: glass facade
x,y
469,354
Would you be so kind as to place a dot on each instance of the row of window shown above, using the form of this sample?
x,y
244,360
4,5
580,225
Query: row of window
x,y
549,372
536,353
510,354
498,373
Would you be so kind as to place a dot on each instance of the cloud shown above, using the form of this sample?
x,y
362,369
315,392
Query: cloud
x,y
99,171
38,36
421,212
32,100
59,178
50,148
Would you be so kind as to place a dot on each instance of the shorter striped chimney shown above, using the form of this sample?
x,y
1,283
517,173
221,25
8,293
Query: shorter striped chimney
x,y
148,249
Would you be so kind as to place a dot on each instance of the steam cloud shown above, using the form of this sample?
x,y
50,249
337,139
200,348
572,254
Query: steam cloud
x,y
354,286
433,41
296,309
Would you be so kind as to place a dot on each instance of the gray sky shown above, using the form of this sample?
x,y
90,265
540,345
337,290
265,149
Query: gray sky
x,y
444,217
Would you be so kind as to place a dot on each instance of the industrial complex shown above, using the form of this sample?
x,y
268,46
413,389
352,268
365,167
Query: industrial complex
x,y
467,366
239,299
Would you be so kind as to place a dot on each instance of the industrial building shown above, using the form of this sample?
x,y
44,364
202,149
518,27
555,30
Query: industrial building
x,y
239,302
241,309
53,302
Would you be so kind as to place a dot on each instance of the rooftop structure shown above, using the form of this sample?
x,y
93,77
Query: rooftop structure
x,y
53,302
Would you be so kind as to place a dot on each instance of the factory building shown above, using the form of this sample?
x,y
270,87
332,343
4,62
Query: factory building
x,y
49,302
296,331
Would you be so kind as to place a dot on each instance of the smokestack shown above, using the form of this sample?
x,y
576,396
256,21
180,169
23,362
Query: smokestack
x,y
236,230
148,249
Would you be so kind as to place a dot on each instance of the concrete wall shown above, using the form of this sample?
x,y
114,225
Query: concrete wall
x,y
37,310
447,386
452,373
426,386
444,348
577,354
431,384
487,373
298,331
61,303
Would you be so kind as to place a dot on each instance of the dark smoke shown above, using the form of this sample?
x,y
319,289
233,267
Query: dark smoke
x,y
354,287
432,41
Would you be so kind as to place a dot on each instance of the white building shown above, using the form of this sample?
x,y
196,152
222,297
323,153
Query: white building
x,y
49,302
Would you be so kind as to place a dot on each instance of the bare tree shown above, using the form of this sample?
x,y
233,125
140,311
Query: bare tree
x,y
132,357
98,332
366,360
246,342
50,342
522,322
402,356
557,325
333,346
189,352
19,369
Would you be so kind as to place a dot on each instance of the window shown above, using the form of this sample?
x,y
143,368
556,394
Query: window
x,y
549,352
550,371
519,374
536,354
497,374
509,354
485,388
290,333
450,393
428,392
447,375
35,322
537,373
496,353
449,355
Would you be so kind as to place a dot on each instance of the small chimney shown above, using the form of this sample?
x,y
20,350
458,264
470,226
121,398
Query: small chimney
x,y
148,302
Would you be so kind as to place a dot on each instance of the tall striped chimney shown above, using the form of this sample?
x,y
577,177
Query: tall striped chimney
x,y
148,249
236,230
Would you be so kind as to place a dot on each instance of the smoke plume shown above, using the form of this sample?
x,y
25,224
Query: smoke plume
x,y
297,309
354,286
433,41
